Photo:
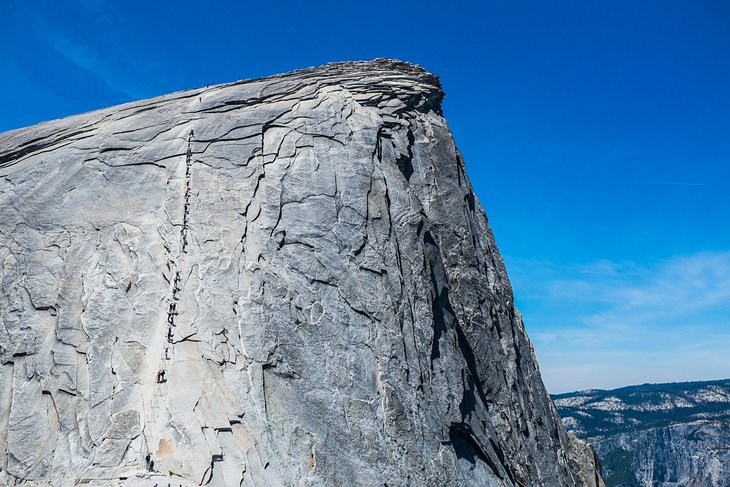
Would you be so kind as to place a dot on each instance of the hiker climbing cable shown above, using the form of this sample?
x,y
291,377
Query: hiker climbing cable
x,y
166,351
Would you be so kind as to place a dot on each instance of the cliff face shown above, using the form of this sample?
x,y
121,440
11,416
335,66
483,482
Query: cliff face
x,y
662,435
303,257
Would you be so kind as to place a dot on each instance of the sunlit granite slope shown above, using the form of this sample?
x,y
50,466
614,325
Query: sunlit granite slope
x,y
304,259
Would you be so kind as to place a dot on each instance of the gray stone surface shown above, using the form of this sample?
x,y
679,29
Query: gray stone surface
x,y
694,454
341,317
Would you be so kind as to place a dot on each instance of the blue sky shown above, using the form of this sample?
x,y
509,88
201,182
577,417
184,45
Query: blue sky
x,y
596,135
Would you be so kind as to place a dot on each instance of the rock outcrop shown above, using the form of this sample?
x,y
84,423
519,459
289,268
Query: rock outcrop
x,y
282,281
663,435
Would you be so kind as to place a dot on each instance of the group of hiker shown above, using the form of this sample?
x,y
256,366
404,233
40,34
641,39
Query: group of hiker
x,y
186,210
169,334
176,288
172,309
171,313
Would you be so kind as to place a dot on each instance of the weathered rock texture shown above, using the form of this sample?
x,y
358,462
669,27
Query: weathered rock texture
x,y
338,311
658,435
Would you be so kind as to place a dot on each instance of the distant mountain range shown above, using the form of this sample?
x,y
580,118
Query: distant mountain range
x,y
658,435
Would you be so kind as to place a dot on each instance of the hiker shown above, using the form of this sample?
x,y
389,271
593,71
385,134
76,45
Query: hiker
x,y
169,335
159,378
147,461
152,465
162,377
166,350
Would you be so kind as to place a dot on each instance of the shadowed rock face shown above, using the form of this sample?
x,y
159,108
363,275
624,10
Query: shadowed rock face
x,y
309,251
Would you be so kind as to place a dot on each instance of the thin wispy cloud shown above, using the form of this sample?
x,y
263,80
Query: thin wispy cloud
x,y
101,55
626,322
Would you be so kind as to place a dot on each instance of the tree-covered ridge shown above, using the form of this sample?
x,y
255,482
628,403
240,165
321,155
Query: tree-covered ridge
x,y
595,413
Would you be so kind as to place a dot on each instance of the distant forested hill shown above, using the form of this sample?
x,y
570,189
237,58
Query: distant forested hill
x,y
657,435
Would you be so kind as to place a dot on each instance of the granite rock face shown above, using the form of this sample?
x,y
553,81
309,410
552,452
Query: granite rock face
x,y
304,258
694,454
663,435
